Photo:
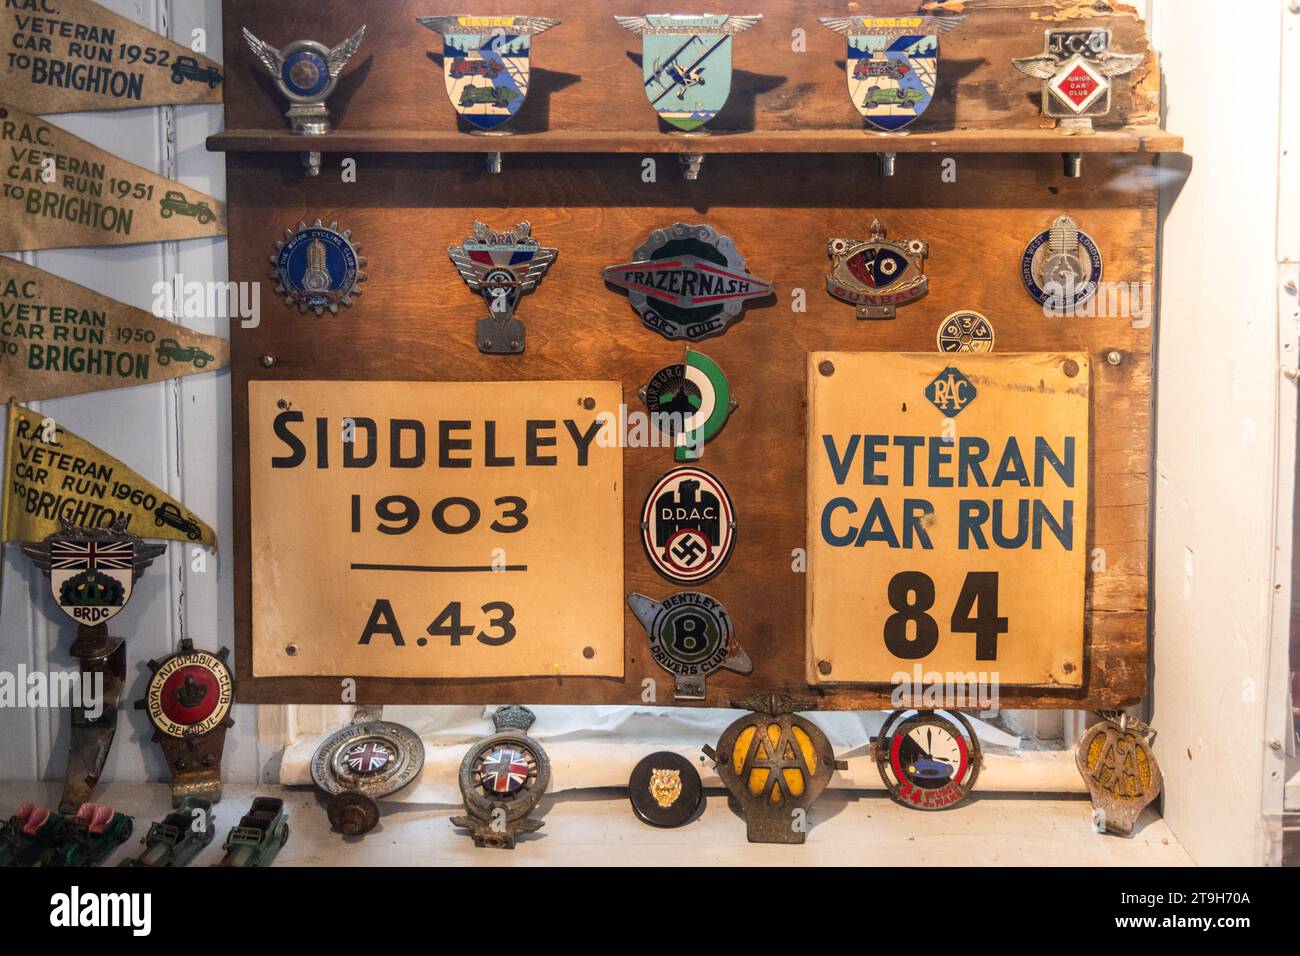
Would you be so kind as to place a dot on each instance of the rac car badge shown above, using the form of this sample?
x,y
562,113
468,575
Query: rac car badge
x,y
877,275
1076,67
965,331
1061,267
689,402
690,637
306,72
892,65
687,282
501,267
485,64
950,392
928,760
317,267
688,525
502,778
1115,758
686,63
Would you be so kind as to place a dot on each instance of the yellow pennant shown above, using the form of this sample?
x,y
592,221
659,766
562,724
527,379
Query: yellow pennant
x,y
60,338
57,190
50,473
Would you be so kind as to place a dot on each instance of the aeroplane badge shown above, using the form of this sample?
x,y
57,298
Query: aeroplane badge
x,y
1076,67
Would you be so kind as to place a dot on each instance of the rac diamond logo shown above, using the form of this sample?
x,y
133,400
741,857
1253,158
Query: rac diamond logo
x,y
950,392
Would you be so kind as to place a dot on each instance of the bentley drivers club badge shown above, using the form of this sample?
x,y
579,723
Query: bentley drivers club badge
x,y
665,790
1114,756
485,64
361,763
688,525
306,73
928,759
689,402
1061,266
317,267
502,778
690,637
879,274
892,65
687,282
501,267
1076,67
965,331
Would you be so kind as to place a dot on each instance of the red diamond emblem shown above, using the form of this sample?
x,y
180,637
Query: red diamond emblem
x,y
1077,85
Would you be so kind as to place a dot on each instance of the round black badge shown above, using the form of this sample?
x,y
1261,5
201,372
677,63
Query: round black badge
x,y
665,790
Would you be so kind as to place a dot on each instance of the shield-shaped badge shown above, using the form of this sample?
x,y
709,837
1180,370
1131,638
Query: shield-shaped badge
x,y
485,64
91,577
686,62
892,65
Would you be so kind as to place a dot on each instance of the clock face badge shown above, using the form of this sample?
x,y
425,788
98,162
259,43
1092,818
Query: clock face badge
x,y
929,760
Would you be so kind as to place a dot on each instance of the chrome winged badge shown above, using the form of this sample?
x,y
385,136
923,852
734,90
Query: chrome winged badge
x,y
501,267
1076,67
306,73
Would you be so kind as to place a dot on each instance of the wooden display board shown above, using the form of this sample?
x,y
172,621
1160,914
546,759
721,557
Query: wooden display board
x,y
787,168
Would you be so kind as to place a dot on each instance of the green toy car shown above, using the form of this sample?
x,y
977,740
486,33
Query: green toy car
x,y
95,832
259,836
895,96
169,350
179,836
175,203
498,96
31,833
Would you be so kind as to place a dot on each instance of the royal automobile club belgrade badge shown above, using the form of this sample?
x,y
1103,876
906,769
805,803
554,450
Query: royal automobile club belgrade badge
x,y
690,636
1061,266
306,73
878,274
965,331
687,282
690,402
688,525
665,790
1076,67
501,267
317,267
928,760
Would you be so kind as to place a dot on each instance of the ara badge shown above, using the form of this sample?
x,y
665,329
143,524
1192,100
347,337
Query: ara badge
x,y
686,63
687,282
1114,756
502,778
965,331
306,73
892,65
1061,266
928,760
689,403
1076,67
879,274
317,267
690,637
501,267
485,63
688,525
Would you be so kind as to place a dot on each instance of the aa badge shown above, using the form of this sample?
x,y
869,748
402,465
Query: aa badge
x,y
879,274
686,63
317,267
688,525
690,637
1115,759
892,65
1061,266
1076,67
485,64
306,73
689,403
501,267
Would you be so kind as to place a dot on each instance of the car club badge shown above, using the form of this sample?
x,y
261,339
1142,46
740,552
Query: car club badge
x,y
688,525
1076,67
689,403
361,763
306,73
892,65
965,331
690,637
877,275
317,267
501,267
687,282
686,63
1115,758
928,759
1061,266
665,790
502,778
485,64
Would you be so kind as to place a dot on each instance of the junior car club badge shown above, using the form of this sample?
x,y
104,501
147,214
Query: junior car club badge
x,y
687,282
361,763
1076,67
686,63
1115,758
690,636
928,760
502,778
501,267
688,525
306,73
485,63
689,402
878,274
965,331
1061,266
892,65
317,267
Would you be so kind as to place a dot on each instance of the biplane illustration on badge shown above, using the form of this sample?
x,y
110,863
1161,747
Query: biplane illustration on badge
x,y
892,65
689,402
878,274
1076,67
306,73
501,267
686,62
485,63
317,267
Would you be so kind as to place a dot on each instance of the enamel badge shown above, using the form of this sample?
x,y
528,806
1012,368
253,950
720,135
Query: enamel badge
x,y
892,65
688,525
317,267
1061,266
1076,67
690,637
687,282
665,790
686,63
928,759
485,63
689,403
1115,758
879,274
501,267
965,331
360,764
502,778
306,73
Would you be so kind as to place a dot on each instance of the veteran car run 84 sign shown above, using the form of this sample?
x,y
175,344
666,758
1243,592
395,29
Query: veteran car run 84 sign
x,y
435,529
947,516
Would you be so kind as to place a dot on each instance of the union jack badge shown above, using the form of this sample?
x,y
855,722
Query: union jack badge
x,y
879,274
361,763
1076,67
502,778
501,267
92,570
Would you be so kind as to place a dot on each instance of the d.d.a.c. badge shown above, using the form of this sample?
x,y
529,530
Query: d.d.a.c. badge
x,y
317,267
878,274
688,525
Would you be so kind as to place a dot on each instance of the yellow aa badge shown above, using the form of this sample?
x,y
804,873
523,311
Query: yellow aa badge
x,y
52,474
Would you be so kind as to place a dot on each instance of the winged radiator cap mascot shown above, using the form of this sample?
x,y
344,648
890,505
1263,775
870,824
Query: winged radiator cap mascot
x,y
501,267
306,72
1076,67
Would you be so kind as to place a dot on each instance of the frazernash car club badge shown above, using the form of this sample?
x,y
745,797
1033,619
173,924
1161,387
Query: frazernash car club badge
x,y
965,331
878,274
687,282
892,65
928,760
690,637
485,63
1076,67
690,403
686,63
501,267
1061,266
688,525
306,73
317,267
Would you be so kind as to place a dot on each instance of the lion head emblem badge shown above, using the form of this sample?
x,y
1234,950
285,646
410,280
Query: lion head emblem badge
x,y
665,786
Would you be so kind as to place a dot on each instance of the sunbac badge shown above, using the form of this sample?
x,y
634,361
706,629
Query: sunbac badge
x,y
485,64
1114,756
317,267
892,65
687,282
501,267
688,525
686,63
690,637
689,403
928,760
1061,266
306,72
878,274
1076,67
965,331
